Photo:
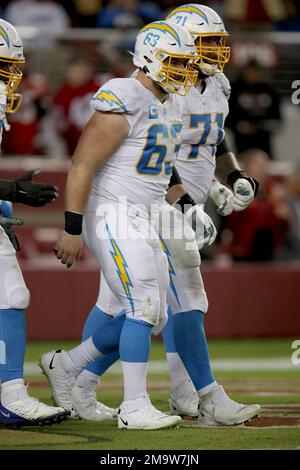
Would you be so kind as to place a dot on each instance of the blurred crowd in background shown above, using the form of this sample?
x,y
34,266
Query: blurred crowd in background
x,y
283,15
62,74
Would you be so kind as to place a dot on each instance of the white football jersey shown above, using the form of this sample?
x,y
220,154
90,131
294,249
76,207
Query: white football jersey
x,y
203,129
2,116
141,168
13,291
2,111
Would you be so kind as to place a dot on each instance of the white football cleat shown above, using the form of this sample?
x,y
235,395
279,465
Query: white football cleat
x,y
60,380
141,414
107,409
28,411
217,409
86,406
184,399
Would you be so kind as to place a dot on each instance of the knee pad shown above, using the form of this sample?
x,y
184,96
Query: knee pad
x,y
6,248
13,290
146,304
107,301
149,311
190,292
19,297
185,250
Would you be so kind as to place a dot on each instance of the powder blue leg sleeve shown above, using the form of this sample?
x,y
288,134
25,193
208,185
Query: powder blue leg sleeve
x,y
192,347
97,319
12,344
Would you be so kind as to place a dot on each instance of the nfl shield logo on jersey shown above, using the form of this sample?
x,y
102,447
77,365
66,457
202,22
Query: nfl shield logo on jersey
x,y
153,112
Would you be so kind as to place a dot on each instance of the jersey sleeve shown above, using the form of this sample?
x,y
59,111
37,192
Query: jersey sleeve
x,y
224,84
117,96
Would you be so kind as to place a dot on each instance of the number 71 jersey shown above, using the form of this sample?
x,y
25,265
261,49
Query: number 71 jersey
x,y
204,116
142,166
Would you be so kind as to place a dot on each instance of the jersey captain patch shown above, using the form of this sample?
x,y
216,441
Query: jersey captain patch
x,y
153,112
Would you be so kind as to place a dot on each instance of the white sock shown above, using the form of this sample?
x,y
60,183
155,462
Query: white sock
x,y
135,379
80,356
207,389
13,390
178,372
88,380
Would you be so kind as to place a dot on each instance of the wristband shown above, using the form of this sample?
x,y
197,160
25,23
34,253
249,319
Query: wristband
x,y
73,223
7,190
185,203
235,175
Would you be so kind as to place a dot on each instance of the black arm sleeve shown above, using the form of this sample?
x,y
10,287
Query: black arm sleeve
x,y
175,178
222,148
7,190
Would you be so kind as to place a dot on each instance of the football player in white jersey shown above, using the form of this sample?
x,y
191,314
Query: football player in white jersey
x,y
202,154
205,109
17,408
122,165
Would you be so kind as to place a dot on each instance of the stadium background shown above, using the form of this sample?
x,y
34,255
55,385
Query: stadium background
x,y
254,296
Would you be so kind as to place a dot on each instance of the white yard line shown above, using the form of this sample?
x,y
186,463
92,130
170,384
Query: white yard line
x,y
160,367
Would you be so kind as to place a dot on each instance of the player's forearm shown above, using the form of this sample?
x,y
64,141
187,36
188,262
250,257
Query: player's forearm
x,y
175,193
78,187
77,191
225,165
176,189
84,163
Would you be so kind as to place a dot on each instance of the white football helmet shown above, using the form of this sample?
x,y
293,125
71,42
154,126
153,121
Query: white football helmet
x,y
203,22
158,47
11,56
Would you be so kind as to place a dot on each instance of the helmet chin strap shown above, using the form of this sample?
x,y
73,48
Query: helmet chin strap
x,y
156,84
145,70
159,87
202,75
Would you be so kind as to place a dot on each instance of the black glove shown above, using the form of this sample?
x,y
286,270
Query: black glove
x,y
24,190
6,223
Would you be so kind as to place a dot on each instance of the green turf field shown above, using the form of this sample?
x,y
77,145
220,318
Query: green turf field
x,y
251,371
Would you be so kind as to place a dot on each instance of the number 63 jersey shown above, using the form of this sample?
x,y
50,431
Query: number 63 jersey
x,y
204,115
142,166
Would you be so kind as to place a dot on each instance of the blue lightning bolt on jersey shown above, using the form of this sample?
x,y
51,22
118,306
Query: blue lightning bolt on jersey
x,y
171,269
